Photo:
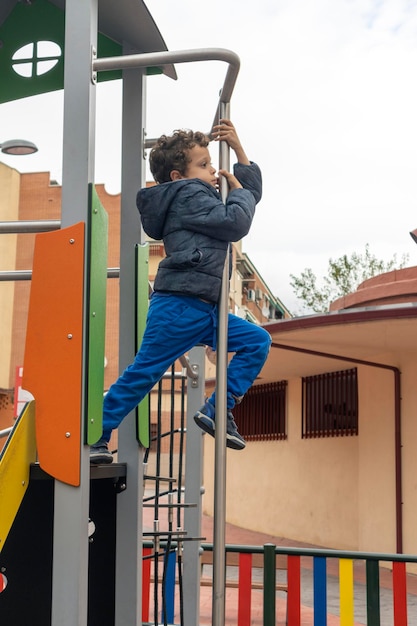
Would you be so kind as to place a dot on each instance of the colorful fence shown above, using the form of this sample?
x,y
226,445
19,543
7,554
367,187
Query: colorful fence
x,y
346,570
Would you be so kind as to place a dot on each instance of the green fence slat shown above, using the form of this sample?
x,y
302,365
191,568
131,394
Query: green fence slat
x,y
96,260
142,298
372,593
269,584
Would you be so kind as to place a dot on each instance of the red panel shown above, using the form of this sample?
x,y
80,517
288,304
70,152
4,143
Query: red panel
x,y
400,594
245,589
52,369
294,593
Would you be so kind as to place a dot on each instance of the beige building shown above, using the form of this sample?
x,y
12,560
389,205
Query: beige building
x,y
344,474
330,422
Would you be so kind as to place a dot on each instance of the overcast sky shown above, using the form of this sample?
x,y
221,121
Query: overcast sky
x,y
325,103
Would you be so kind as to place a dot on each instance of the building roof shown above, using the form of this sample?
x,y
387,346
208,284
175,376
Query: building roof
x,y
399,285
314,344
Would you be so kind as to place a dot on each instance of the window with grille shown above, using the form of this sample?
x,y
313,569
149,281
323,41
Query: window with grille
x,y
330,404
261,415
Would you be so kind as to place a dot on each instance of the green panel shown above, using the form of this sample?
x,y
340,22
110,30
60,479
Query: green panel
x,y
28,23
40,21
96,324
142,297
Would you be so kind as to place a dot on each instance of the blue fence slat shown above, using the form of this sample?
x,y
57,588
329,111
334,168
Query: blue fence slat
x,y
320,591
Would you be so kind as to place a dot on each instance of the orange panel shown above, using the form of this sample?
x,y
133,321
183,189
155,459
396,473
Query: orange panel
x,y
53,354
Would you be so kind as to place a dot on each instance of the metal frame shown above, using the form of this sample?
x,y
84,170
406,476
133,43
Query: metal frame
x,y
71,505
185,56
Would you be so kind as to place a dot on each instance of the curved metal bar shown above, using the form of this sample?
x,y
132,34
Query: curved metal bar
x,y
179,56
185,362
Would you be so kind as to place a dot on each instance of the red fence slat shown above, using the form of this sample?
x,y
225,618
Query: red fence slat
x,y
245,590
399,594
294,591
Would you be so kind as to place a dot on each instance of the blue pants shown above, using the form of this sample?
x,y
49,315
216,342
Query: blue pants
x,y
174,325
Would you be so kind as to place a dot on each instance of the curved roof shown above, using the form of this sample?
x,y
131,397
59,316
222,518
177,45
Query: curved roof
x,y
306,346
399,285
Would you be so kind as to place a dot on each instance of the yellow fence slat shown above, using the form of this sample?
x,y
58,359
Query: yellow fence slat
x,y
346,592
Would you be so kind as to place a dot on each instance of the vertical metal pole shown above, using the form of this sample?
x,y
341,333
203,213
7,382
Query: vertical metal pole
x,y
71,504
193,489
219,521
128,611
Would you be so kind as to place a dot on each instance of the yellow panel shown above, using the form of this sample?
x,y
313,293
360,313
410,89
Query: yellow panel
x,y
52,370
17,455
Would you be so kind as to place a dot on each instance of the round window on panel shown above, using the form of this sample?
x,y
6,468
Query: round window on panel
x,y
35,59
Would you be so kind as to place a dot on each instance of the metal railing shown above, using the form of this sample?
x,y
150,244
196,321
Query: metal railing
x,y
358,587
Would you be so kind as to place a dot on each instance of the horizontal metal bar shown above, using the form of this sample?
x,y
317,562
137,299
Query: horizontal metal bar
x,y
36,226
190,373
5,432
149,143
16,275
325,552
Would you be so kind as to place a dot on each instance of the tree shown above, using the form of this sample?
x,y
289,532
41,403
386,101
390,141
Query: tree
x,y
344,276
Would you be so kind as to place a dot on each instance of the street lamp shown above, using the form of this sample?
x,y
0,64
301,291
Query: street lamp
x,y
18,146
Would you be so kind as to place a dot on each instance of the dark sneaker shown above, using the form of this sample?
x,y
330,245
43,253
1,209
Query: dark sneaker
x,y
205,419
100,453
234,438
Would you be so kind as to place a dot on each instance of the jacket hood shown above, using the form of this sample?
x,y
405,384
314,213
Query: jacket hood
x,y
154,203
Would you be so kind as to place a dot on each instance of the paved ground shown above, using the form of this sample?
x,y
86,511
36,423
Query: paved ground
x,y
236,535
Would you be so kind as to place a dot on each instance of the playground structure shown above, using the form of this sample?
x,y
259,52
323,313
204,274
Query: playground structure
x,y
66,312
78,587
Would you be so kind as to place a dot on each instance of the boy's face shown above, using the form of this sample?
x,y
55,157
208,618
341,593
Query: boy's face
x,y
200,166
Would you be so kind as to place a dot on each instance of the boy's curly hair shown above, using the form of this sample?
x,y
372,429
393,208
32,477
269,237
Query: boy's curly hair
x,y
171,153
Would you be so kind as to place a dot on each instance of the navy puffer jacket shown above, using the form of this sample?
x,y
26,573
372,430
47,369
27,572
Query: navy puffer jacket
x,y
196,228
